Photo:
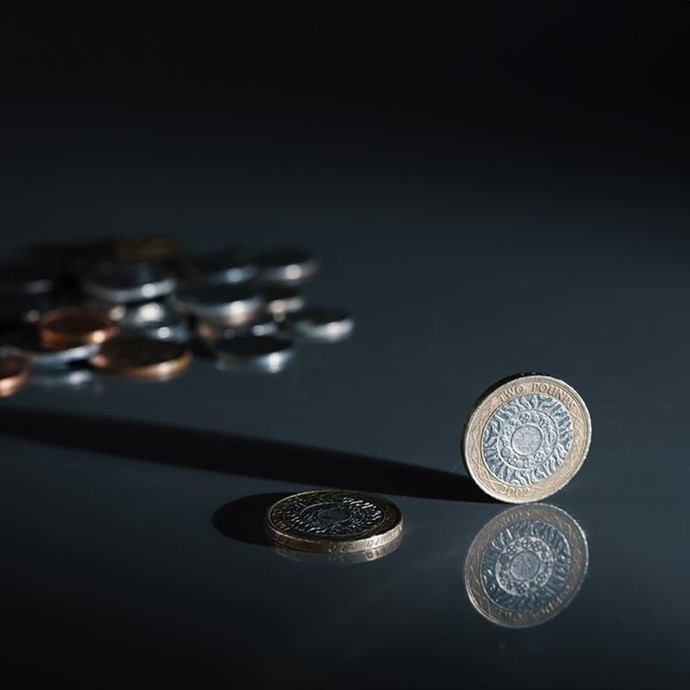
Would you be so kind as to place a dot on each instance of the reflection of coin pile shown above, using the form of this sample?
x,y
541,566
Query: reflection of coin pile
x,y
141,307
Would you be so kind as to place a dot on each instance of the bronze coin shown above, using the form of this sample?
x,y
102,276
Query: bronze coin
x,y
74,326
13,374
142,357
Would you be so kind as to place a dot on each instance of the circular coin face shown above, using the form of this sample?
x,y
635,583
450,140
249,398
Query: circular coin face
x,y
526,565
333,522
73,326
13,374
526,438
142,357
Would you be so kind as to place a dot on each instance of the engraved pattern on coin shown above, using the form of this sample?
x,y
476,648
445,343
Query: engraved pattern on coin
x,y
526,565
331,516
527,439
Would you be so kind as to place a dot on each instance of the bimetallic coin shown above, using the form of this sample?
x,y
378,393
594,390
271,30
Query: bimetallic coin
x,y
526,565
27,345
142,358
13,374
129,282
321,324
333,522
232,305
259,353
73,326
526,438
289,266
282,300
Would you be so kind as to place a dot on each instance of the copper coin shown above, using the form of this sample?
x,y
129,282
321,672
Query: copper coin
x,y
74,326
13,374
142,357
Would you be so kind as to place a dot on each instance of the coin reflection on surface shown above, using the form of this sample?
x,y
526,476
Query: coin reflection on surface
x,y
526,565
338,558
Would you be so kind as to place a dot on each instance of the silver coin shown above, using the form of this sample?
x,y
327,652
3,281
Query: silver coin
x,y
222,267
210,331
129,282
526,565
175,329
282,300
233,305
261,353
321,324
26,343
27,279
286,265
69,377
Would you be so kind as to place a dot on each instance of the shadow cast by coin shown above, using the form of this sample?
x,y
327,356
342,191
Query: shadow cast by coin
x,y
243,519
237,455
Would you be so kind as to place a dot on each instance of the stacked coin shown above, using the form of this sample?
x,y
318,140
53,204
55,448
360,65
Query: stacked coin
x,y
139,306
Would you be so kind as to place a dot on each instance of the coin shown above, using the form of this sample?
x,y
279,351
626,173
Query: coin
x,y
526,565
155,248
73,326
210,331
281,300
333,522
142,357
129,282
526,438
27,278
263,353
224,266
175,328
286,265
321,324
26,344
232,305
13,374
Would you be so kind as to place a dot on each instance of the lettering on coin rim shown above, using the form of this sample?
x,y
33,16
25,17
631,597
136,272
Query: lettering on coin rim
x,y
473,453
573,534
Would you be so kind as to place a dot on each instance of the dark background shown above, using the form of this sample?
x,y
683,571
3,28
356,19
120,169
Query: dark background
x,y
494,187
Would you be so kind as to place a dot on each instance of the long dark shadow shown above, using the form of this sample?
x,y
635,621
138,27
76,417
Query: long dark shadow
x,y
233,454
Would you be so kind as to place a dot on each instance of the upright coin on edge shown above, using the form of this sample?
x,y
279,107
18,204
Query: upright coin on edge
x,y
331,521
526,438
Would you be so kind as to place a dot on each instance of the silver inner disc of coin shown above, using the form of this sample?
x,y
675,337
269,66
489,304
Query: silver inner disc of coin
x,y
526,565
527,439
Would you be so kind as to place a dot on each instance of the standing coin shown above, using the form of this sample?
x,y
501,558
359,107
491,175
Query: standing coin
x,y
13,374
333,522
73,326
286,266
526,438
142,357
526,565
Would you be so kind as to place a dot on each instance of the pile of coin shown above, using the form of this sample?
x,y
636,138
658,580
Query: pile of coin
x,y
142,307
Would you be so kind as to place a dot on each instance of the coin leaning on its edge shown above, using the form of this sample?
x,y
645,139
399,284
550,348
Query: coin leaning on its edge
x,y
526,438
332,521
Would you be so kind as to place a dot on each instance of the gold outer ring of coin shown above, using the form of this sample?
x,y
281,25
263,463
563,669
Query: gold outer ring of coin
x,y
497,395
14,372
387,531
144,358
474,577
74,326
